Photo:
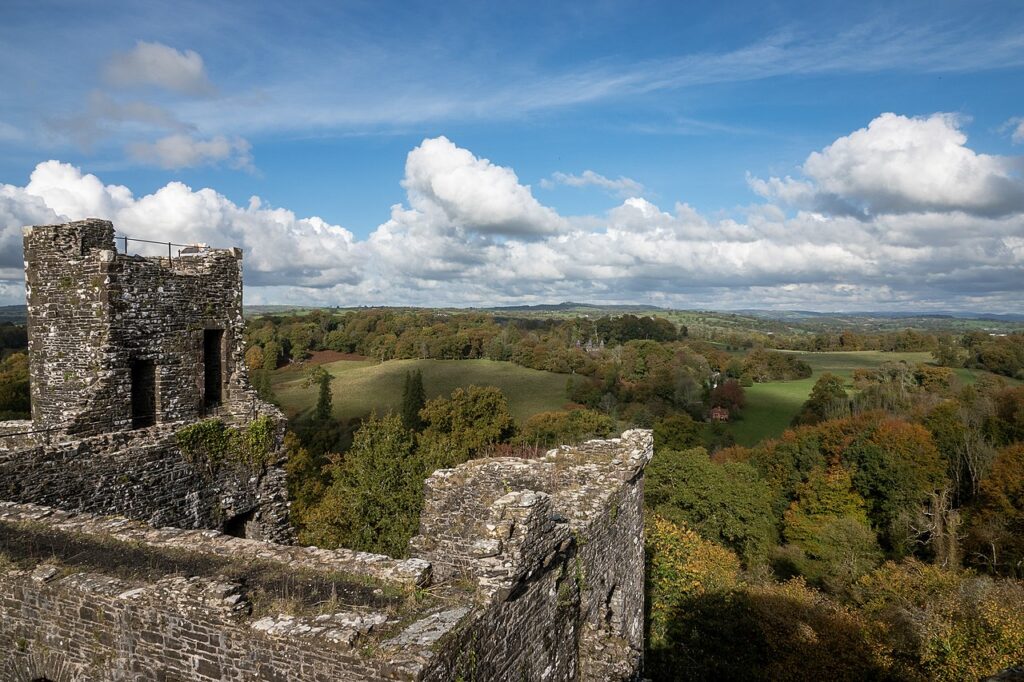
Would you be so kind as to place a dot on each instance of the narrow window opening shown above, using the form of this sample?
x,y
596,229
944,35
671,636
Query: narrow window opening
x,y
237,526
614,606
212,380
143,393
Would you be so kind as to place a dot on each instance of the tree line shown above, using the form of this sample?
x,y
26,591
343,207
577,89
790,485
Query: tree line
x,y
879,538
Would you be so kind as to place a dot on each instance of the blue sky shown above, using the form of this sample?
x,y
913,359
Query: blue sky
x,y
483,153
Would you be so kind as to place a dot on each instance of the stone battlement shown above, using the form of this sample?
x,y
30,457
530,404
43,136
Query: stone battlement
x,y
537,594
125,354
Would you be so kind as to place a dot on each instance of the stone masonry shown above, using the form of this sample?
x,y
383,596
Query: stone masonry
x,y
124,353
524,570
94,313
125,556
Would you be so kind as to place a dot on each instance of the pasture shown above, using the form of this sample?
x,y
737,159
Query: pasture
x,y
771,406
361,386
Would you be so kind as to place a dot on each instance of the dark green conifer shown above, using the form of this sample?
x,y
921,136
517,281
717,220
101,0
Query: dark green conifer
x,y
413,400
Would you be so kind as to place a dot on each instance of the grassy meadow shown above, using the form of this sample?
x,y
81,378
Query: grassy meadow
x,y
361,386
771,406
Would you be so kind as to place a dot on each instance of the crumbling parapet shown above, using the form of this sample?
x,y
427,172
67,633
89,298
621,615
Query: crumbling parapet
x,y
557,540
547,585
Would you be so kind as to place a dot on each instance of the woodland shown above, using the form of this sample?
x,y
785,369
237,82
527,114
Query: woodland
x,y
878,535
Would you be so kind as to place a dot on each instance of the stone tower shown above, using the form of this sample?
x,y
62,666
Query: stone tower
x,y
119,342
129,358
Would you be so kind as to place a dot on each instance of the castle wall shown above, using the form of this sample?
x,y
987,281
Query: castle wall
x,y
555,547
143,475
549,587
101,438
523,569
71,625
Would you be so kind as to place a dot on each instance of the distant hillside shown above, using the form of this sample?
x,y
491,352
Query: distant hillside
x,y
884,315
569,306
13,313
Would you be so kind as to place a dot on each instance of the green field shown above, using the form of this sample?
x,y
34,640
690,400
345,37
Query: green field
x,y
361,386
771,406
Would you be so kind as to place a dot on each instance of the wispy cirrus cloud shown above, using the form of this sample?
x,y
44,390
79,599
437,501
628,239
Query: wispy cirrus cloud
x,y
1014,126
620,186
415,92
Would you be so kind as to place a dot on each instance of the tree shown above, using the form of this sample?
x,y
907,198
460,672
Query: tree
x,y
271,355
307,479
727,503
896,468
457,428
414,398
547,429
375,495
14,387
680,566
322,379
828,400
957,430
828,527
995,537
677,432
729,394
949,353
931,623
254,358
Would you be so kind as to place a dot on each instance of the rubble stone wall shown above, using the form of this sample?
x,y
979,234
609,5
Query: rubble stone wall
x,y
93,315
549,588
555,547
142,474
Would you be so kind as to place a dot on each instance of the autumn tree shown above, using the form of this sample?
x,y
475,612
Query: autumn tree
x,y
730,395
896,468
996,528
254,358
830,538
931,623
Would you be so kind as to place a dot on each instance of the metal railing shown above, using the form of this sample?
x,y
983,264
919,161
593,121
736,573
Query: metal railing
x,y
124,239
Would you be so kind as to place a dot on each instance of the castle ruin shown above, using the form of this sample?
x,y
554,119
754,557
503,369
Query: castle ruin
x,y
143,515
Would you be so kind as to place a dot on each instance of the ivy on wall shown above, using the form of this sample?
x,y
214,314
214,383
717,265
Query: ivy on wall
x,y
212,444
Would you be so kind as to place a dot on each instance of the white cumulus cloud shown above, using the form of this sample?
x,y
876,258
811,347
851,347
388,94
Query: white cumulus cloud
x,y
156,64
449,183
280,247
471,234
900,164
